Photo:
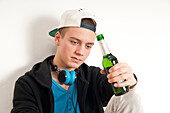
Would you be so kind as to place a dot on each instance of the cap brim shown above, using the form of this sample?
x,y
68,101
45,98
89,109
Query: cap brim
x,y
53,32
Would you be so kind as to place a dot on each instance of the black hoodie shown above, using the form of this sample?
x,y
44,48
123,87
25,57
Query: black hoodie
x,y
33,94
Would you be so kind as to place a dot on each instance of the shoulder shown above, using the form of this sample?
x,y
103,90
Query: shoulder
x,y
40,73
89,71
24,79
86,68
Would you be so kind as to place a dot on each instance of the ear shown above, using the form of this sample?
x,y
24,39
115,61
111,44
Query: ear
x,y
57,38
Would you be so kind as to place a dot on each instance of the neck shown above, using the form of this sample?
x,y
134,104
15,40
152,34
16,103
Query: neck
x,y
60,65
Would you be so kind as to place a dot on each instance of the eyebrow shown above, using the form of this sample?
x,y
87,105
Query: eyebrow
x,y
81,41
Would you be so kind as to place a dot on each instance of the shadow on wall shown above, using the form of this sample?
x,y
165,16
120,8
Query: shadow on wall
x,y
42,45
39,46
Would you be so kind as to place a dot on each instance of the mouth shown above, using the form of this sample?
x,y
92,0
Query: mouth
x,y
76,59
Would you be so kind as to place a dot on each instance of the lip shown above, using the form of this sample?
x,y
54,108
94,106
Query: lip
x,y
76,59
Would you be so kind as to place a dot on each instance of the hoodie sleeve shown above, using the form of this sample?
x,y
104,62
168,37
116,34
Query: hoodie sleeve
x,y
23,101
104,88
101,85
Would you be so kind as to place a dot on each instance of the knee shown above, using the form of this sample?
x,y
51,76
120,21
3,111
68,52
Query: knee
x,y
131,98
127,103
132,102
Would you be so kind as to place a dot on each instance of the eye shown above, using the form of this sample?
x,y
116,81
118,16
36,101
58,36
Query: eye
x,y
88,47
74,42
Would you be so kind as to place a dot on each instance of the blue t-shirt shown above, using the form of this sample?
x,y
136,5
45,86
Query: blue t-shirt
x,y
64,99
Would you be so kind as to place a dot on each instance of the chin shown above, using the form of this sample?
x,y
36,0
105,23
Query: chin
x,y
76,65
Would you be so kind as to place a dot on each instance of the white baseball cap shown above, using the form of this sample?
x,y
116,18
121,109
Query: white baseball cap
x,y
73,18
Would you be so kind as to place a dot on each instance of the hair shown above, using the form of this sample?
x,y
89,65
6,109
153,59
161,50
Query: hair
x,y
88,21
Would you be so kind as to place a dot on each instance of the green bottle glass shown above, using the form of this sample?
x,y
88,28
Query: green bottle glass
x,y
110,60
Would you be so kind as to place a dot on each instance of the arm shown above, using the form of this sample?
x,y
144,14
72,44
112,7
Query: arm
x,y
23,101
104,88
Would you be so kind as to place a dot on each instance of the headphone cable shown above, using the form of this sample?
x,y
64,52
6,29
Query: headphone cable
x,y
72,98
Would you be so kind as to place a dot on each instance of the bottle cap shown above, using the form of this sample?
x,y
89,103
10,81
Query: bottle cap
x,y
100,37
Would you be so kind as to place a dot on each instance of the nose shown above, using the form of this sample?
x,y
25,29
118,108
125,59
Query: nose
x,y
80,50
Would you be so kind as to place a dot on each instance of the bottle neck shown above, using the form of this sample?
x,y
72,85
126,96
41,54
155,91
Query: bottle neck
x,y
104,48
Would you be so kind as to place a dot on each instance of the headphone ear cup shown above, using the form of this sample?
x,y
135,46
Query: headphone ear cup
x,y
73,76
64,76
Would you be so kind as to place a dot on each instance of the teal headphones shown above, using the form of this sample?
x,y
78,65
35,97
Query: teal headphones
x,y
64,76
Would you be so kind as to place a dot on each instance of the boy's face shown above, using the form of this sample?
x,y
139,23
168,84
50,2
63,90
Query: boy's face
x,y
74,47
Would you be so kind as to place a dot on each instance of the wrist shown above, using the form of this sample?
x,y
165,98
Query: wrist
x,y
133,86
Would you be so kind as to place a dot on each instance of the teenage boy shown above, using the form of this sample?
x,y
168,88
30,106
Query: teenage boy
x,y
65,84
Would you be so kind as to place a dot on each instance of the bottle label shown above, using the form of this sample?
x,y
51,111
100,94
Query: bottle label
x,y
121,81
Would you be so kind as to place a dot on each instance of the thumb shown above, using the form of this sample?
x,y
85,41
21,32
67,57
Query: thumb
x,y
102,71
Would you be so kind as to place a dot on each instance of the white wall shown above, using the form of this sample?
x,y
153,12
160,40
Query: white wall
x,y
136,31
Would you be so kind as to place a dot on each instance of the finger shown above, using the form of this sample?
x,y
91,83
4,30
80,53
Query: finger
x,y
123,84
117,66
118,78
120,71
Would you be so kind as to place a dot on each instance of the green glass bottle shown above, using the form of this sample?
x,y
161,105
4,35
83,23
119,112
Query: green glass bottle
x,y
110,60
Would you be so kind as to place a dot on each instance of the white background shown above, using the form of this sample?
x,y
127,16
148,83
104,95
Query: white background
x,y
137,32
